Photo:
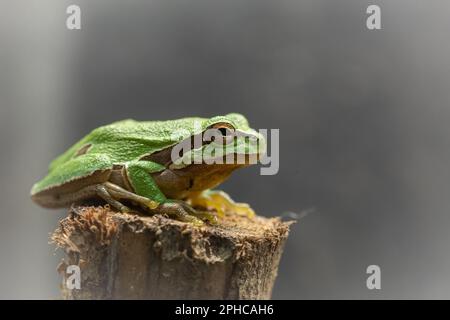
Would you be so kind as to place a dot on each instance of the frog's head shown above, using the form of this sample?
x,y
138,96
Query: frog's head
x,y
222,140
208,154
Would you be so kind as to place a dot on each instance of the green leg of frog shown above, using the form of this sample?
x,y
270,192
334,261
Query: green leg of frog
x,y
112,193
138,174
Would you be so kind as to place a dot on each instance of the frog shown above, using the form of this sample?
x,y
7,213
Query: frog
x,y
140,163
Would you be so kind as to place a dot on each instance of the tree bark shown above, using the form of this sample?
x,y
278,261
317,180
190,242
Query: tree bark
x,y
124,256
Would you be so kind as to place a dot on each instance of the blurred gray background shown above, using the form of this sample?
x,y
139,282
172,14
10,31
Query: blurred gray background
x,y
363,118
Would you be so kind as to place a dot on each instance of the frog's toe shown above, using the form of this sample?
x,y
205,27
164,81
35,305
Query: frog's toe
x,y
203,215
151,204
221,203
208,216
217,207
242,209
125,209
191,219
208,203
180,212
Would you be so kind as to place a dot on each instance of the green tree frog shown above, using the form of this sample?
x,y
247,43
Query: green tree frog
x,y
141,163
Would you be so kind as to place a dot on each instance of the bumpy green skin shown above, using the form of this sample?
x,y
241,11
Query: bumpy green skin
x,y
124,143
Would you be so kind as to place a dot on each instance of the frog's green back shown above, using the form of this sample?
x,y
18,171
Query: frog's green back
x,y
128,139
124,141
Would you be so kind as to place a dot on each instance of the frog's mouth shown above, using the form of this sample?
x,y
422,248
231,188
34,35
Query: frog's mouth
x,y
239,152
232,160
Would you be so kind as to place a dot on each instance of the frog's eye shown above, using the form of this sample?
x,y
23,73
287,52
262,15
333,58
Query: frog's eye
x,y
224,129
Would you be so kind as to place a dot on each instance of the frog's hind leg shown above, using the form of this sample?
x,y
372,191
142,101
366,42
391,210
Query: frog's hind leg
x,y
118,192
88,192
103,193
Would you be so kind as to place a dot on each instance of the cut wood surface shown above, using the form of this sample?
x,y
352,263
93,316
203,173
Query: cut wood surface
x,y
125,256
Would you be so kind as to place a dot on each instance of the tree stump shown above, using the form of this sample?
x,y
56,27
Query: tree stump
x,y
125,256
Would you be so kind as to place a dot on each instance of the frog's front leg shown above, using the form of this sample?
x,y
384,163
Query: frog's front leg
x,y
221,202
99,190
149,195
146,191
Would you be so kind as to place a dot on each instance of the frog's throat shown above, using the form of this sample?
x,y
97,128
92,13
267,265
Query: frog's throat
x,y
179,183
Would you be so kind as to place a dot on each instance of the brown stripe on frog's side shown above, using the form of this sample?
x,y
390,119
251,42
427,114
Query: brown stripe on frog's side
x,y
164,157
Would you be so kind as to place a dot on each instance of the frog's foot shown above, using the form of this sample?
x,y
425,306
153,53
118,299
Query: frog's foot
x,y
183,212
221,202
112,193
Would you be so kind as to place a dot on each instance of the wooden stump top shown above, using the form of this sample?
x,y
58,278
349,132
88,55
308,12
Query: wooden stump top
x,y
125,256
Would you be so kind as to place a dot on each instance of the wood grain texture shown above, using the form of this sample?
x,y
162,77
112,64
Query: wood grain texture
x,y
124,256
